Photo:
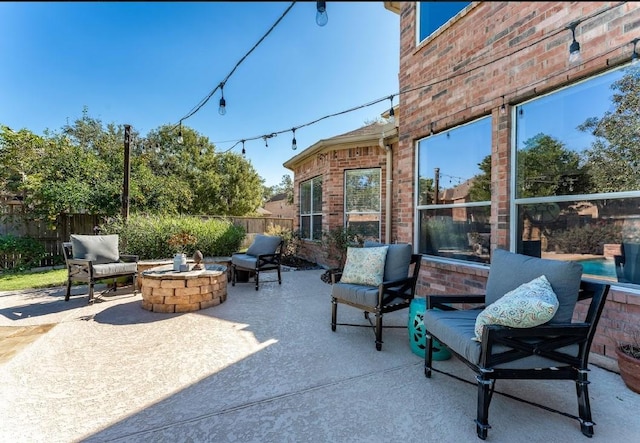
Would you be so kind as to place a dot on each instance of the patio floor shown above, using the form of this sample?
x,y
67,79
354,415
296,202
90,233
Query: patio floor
x,y
261,367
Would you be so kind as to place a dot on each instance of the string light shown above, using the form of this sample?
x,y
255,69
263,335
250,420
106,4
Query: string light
x,y
634,56
503,108
222,109
294,144
321,13
180,139
392,114
574,48
243,151
460,73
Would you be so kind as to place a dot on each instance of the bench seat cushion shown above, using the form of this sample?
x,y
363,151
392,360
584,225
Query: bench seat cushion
x,y
246,261
456,329
110,269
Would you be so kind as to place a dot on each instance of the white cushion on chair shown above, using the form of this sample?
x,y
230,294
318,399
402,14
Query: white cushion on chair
x,y
529,305
364,266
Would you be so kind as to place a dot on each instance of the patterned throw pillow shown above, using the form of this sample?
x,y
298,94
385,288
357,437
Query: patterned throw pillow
x,y
364,266
530,304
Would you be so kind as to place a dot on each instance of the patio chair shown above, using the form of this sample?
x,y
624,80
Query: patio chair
x,y
378,279
628,263
264,254
525,330
91,258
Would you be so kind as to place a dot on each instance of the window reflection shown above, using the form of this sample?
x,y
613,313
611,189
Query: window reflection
x,y
582,141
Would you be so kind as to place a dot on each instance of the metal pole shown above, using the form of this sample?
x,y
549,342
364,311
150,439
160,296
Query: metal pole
x,y
127,172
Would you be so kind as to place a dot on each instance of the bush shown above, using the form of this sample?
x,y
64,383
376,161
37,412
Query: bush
x,y
587,239
20,253
291,239
148,236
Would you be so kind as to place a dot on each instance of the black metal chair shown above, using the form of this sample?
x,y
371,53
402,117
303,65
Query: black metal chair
x,y
395,292
556,350
91,258
264,254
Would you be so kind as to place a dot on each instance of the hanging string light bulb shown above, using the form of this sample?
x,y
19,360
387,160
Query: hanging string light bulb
x,y
321,13
243,151
392,114
635,58
266,144
574,48
294,144
222,109
503,108
180,139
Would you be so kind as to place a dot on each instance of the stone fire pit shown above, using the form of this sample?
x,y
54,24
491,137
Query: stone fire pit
x,y
166,290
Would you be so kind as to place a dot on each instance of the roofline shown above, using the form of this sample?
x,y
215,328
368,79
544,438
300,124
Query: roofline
x,y
393,6
390,131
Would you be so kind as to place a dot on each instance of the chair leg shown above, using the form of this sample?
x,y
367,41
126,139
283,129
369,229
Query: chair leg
x,y
90,292
484,398
279,277
66,297
233,275
257,278
584,407
334,313
428,355
378,331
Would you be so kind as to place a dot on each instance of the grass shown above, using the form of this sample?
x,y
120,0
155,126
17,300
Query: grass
x,y
32,280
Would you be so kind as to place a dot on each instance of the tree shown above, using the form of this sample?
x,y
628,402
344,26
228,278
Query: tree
x,y
481,184
615,154
81,169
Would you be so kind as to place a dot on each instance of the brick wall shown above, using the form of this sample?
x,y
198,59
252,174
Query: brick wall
x,y
331,164
461,74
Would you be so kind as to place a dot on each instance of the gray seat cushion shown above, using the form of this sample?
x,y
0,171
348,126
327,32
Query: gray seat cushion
x,y
509,270
455,329
396,266
110,269
244,260
361,294
97,248
264,244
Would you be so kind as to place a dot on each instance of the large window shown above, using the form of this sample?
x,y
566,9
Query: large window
x,y
432,15
311,209
454,192
577,175
362,202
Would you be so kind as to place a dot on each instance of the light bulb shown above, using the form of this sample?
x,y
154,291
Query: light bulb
x,y
574,52
321,15
180,139
294,144
222,110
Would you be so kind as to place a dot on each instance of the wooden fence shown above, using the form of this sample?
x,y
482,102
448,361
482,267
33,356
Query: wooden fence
x,y
51,238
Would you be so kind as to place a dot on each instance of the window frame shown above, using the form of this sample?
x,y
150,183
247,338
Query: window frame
x,y
379,200
314,212
445,24
471,204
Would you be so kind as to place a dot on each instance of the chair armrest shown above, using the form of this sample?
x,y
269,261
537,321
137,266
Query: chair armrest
x,y
79,262
336,276
443,301
548,330
129,258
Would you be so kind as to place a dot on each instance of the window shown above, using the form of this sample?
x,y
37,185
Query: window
x,y
454,192
432,15
577,175
311,209
362,202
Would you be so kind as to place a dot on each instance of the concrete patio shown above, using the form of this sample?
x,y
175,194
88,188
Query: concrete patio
x,y
261,367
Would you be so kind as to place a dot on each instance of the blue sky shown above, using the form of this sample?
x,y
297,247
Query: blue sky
x,y
148,64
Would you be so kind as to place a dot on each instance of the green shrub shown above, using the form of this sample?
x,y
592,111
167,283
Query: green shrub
x,y
148,236
587,239
20,253
292,240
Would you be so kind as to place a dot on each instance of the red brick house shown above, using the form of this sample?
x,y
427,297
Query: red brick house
x,y
517,129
